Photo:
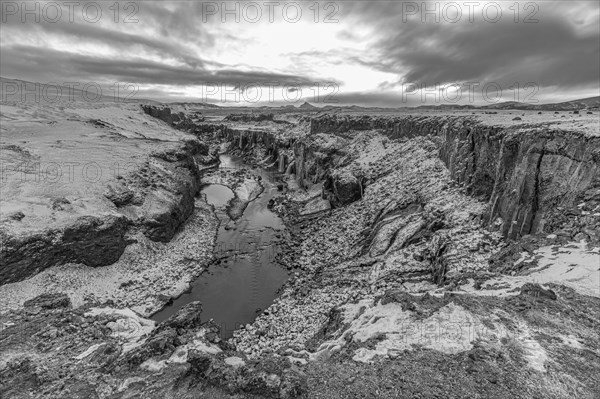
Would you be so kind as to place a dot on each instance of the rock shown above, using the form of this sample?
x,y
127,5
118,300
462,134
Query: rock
x,y
516,118
249,117
93,241
160,343
200,361
187,317
418,257
79,389
16,216
119,194
536,291
105,355
273,381
178,120
315,205
51,333
344,187
60,204
235,362
212,337
294,384
49,301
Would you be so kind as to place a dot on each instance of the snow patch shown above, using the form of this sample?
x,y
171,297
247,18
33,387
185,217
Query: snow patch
x,y
129,326
450,330
235,362
89,351
573,265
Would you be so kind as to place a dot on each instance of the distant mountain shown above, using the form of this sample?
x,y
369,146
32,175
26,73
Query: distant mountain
x,y
584,103
307,106
195,104
21,90
581,104
447,106
574,105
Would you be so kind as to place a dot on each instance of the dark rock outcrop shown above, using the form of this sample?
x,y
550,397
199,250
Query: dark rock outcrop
x,y
536,291
344,188
316,155
249,117
93,241
49,301
187,317
157,198
178,120
525,174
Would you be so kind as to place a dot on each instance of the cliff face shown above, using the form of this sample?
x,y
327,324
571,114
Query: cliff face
x,y
540,171
93,241
155,199
169,199
316,156
177,120
528,175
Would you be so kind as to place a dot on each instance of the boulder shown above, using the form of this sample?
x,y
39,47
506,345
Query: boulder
x,y
187,317
536,291
49,301
343,188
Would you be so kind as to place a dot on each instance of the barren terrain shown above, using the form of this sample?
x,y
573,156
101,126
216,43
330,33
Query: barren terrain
x,y
431,253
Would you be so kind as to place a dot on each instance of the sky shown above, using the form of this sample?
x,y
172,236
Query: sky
x,y
367,53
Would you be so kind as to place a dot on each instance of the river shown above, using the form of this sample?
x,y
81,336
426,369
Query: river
x,y
245,278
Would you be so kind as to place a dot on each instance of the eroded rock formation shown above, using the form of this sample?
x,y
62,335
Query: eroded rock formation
x,y
524,173
156,198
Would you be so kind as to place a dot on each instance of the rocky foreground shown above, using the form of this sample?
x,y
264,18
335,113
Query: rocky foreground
x,y
432,255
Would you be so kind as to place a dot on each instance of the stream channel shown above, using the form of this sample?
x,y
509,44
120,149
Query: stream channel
x,y
245,278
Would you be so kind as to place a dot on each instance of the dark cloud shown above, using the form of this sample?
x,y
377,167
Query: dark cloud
x,y
552,52
129,42
163,48
22,60
130,38
505,53
168,47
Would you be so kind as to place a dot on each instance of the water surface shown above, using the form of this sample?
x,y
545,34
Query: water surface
x,y
245,277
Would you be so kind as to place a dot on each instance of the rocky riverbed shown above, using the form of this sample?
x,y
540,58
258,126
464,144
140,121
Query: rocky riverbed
x,y
245,276
430,256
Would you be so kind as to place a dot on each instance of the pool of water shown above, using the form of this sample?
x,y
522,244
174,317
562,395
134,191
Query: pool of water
x,y
245,278
217,195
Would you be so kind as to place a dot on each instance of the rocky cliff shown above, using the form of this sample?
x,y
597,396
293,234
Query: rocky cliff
x,y
526,173
155,199
93,241
529,174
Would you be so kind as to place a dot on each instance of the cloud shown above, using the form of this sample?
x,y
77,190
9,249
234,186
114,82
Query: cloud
x,y
556,51
373,48
19,60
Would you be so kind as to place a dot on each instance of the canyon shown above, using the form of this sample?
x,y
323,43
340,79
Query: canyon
x,y
422,253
